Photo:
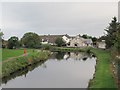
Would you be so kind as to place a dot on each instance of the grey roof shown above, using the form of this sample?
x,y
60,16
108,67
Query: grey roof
x,y
88,41
51,38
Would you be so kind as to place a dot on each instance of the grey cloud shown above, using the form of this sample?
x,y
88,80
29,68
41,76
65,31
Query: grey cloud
x,y
57,18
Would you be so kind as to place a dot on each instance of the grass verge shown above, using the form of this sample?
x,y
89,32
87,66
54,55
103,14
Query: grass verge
x,y
103,76
7,53
68,49
22,62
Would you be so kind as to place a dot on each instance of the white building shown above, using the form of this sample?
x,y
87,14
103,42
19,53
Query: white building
x,y
78,41
66,39
101,44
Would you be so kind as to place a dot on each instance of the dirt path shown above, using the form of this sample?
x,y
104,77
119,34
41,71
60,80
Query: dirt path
x,y
12,58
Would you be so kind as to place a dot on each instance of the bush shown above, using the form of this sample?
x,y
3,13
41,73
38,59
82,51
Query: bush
x,y
46,46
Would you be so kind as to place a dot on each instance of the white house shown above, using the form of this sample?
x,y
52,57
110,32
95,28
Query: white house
x,y
66,39
101,44
78,41
44,41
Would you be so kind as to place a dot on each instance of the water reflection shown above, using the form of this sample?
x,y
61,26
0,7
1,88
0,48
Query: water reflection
x,y
61,70
23,72
74,55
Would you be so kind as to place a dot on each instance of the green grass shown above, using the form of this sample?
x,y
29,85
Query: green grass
x,y
103,75
67,49
22,62
8,53
0,54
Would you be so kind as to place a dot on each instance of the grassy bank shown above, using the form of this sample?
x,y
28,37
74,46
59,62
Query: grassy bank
x,y
23,72
20,63
7,53
103,75
68,49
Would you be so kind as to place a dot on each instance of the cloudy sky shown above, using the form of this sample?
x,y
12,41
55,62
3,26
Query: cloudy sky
x,y
57,17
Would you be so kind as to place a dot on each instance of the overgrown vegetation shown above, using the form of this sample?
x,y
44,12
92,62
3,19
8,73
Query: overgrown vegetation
x,y
46,46
20,63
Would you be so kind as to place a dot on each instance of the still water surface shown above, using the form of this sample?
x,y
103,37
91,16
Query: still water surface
x,y
61,70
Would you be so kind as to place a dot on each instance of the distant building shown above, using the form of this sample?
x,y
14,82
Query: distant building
x,y
88,42
76,41
50,39
66,38
101,44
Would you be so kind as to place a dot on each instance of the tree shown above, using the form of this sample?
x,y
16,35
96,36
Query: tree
x,y
85,36
117,39
46,46
31,40
13,42
59,42
94,39
1,34
111,33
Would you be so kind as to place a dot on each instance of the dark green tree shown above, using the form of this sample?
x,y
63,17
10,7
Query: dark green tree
x,y
1,34
31,40
94,39
111,33
13,42
59,42
117,39
84,36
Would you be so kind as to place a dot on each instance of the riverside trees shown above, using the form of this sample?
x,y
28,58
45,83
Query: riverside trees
x,y
13,42
113,35
31,40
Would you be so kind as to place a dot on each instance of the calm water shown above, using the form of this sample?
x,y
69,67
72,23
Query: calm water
x,y
61,70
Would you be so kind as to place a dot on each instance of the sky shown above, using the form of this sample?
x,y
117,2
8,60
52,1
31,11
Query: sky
x,y
71,18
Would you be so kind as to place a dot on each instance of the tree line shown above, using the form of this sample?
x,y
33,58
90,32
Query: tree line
x,y
112,37
29,40
32,40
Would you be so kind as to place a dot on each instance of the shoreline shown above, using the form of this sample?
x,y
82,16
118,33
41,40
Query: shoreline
x,y
21,63
102,78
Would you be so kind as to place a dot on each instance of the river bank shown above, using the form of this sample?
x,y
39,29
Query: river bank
x,y
15,60
22,62
103,75
68,49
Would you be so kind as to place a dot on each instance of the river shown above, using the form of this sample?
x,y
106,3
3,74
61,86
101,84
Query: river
x,y
61,70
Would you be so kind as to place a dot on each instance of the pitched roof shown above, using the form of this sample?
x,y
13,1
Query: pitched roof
x,y
51,38
88,41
